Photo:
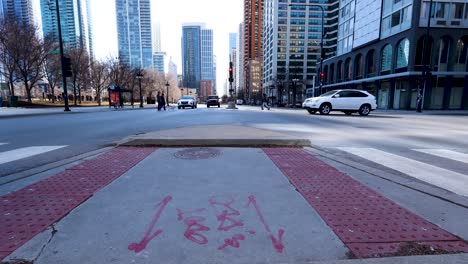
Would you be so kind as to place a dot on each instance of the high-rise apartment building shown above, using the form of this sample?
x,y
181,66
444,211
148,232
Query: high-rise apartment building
x,y
252,50
232,42
20,10
239,82
75,20
381,49
159,61
206,55
197,57
291,47
191,58
172,68
134,33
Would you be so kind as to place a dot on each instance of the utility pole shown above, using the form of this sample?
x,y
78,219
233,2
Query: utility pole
x,y
62,59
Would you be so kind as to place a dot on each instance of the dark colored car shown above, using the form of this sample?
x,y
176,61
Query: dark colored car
x,y
212,100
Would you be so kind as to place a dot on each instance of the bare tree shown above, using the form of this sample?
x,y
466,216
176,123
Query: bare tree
x,y
53,69
80,70
30,55
99,77
8,30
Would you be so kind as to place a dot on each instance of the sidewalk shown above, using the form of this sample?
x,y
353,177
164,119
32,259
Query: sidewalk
x,y
6,112
218,205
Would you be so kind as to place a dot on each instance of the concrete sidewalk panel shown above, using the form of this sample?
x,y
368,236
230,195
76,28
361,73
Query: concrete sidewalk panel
x,y
233,208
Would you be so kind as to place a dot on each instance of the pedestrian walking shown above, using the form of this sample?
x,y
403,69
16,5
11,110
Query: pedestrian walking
x,y
158,98
265,102
163,101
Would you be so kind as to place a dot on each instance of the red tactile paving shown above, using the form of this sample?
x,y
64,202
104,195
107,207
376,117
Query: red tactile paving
x,y
367,222
29,211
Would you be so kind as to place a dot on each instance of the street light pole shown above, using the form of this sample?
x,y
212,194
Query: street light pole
x,y
321,40
426,70
62,59
167,93
139,77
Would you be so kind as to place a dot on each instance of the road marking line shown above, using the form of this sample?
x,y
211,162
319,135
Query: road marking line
x,y
449,180
3,143
22,153
445,153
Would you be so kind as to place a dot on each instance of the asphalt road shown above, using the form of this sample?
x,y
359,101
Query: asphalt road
x,y
396,132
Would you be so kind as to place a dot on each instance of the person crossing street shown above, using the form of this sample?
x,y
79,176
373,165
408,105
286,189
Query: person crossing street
x,y
265,102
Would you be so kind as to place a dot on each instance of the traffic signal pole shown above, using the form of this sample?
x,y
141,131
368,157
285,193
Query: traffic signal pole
x,y
62,59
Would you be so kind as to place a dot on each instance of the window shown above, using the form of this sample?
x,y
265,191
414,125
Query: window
x,y
440,10
386,58
461,55
457,10
403,53
395,19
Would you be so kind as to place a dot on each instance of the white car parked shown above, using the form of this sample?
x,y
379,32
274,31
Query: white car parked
x,y
347,101
187,101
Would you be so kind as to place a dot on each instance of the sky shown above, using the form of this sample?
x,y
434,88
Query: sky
x,y
221,16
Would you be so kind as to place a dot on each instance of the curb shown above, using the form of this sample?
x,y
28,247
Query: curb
x,y
426,259
215,142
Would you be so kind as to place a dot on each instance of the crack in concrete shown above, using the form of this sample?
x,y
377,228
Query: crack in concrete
x,y
54,231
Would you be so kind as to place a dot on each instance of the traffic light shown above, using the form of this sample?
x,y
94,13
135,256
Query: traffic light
x,y
322,76
231,78
67,67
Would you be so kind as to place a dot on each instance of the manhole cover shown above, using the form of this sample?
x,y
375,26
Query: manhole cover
x,y
197,153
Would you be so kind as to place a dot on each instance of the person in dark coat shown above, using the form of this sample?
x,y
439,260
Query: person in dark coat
x,y
163,101
265,102
158,98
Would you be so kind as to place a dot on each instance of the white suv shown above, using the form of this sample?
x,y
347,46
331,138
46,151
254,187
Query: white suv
x,y
347,101
187,101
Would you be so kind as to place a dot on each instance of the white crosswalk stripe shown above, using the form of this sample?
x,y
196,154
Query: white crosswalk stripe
x,y
22,153
445,153
446,179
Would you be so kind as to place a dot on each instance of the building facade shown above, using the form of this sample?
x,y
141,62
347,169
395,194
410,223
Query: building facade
x,y
291,48
239,82
198,60
159,61
75,20
207,57
134,33
252,45
172,68
384,53
191,57
20,10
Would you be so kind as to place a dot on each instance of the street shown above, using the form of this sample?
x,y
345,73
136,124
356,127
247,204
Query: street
x,y
394,132
367,187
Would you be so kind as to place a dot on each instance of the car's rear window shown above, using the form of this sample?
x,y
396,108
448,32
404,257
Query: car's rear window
x,y
213,97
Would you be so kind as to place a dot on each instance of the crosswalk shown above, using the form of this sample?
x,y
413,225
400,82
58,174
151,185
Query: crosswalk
x,y
450,180
21,153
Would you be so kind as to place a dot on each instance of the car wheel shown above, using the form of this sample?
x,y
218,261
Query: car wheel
x,y
178,107
325,109
219,105
195,106
364,109
183,107
208,106
348,112
311,111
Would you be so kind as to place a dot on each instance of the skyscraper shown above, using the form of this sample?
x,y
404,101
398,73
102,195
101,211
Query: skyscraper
x,y
239,62
158,61
207,71
172,68
75,19
252,50
197,56
232,43
134,33
20,10
191,58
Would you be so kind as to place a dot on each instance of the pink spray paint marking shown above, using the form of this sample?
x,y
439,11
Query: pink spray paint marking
x,y
194,226
277,242
138,247
233,242
225,215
